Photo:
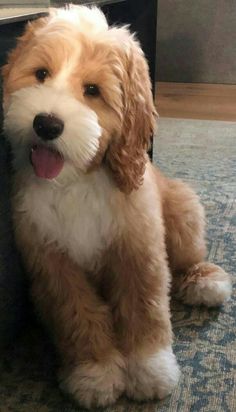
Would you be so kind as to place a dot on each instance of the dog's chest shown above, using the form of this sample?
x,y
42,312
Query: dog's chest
x,y
81,219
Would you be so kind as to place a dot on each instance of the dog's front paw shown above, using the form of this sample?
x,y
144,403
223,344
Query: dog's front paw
x,y
95,384
152,377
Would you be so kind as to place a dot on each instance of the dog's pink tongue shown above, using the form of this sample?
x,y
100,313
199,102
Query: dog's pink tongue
x,y
47,163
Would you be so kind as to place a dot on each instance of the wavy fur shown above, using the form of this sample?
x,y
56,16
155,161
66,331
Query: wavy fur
x,y
101,240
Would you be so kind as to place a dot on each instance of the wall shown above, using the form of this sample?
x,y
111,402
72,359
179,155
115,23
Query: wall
x,y
196,41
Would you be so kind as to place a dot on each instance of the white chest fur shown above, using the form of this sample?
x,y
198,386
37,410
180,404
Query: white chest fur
x,y
81,217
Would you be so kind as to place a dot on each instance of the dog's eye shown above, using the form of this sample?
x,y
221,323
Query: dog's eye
x,y
41,75
91,90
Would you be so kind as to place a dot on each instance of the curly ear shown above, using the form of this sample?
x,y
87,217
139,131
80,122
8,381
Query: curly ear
x,y
127,155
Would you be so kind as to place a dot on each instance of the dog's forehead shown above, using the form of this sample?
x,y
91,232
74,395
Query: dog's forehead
x,y
81,22
72,32
69,49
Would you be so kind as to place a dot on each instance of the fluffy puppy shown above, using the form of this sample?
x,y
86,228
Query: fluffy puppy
x,y
100,229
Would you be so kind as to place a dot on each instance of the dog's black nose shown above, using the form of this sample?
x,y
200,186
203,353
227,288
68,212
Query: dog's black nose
x,y
47,126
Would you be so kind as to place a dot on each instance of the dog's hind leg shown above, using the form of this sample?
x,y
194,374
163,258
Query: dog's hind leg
x,y
194,280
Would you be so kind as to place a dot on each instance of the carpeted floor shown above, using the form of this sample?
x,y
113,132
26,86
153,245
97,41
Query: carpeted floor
x,y
203,153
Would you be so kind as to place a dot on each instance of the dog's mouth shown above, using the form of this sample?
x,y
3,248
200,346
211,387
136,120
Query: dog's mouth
x,y
47,162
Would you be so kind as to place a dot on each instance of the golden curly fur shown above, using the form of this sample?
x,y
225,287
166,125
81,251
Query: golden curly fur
x,y
101,240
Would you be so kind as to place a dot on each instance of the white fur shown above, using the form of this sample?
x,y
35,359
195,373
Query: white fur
x,y
209,291
78,216
95,384
80,139
83,215
84,19
154,376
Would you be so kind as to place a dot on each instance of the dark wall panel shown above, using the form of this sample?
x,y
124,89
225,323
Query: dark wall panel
x,y
197,41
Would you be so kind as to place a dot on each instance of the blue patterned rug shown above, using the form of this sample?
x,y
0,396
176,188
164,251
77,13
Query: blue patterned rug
x,y
203,153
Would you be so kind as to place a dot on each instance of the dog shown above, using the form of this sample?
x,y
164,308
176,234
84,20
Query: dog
x,y
104,235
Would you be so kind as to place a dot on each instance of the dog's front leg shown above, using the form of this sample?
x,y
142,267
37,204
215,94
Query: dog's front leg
x,y
81,323
138,292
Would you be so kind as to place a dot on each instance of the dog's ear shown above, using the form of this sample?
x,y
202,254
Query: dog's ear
x,y
127,156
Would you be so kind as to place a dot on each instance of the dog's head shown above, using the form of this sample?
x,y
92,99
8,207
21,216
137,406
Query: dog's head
x,y
77,94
